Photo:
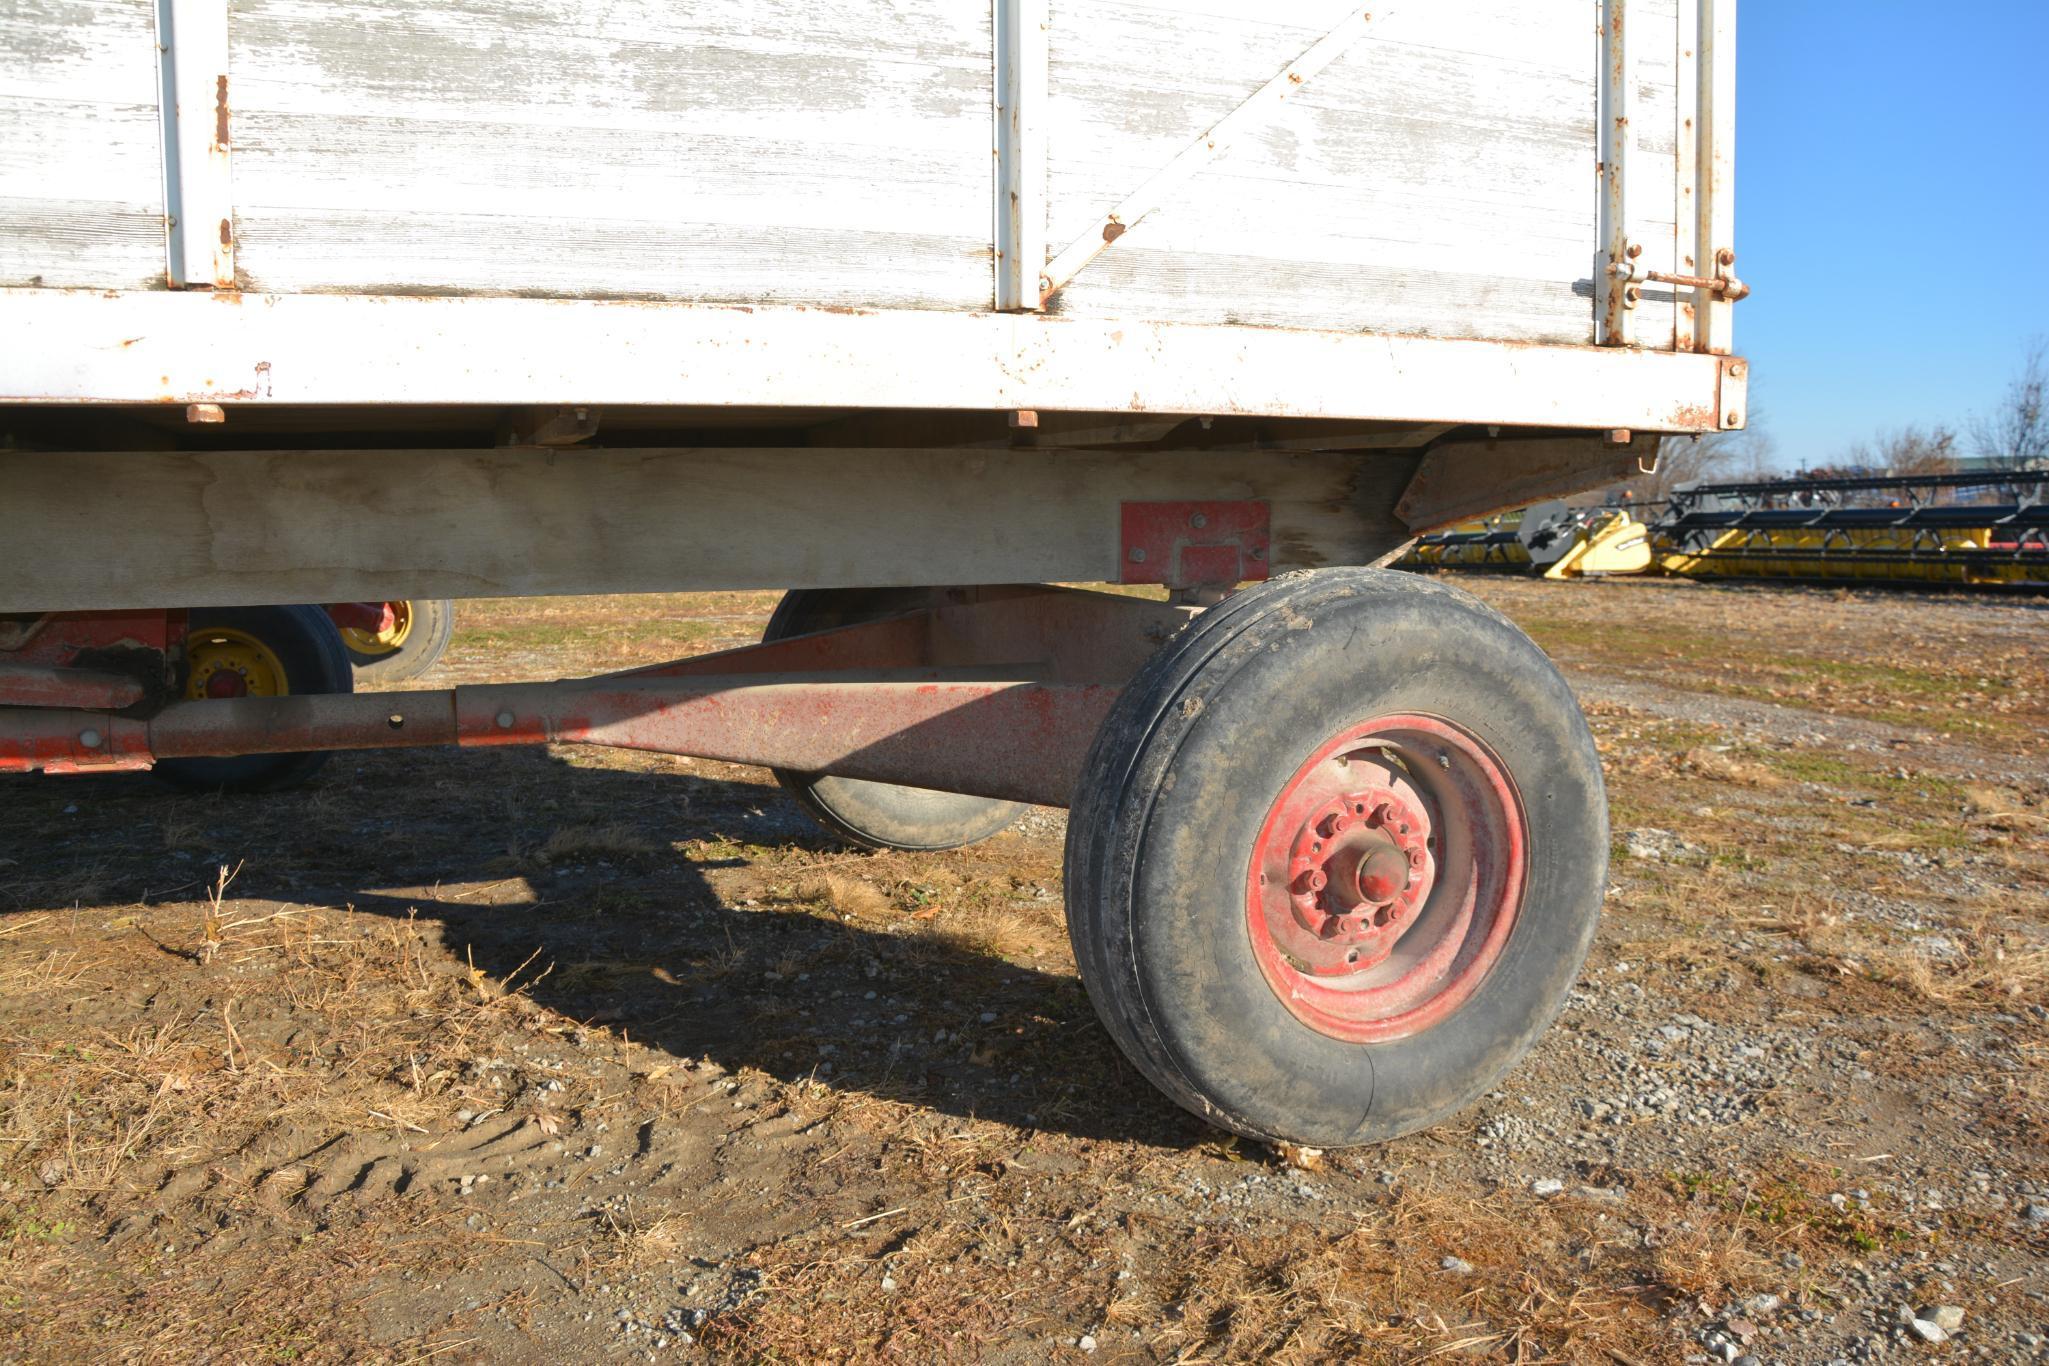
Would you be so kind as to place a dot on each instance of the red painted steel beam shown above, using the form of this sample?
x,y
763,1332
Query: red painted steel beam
x,y
1022,741
38,685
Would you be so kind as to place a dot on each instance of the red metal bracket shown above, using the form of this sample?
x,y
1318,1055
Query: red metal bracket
x,y
1195,544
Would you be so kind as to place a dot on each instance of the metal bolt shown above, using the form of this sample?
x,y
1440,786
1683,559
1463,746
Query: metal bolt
x,y
1138,554
1737,369
89,738
505,720
1198,521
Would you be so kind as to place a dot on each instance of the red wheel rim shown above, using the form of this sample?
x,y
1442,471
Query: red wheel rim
x,y
1387,878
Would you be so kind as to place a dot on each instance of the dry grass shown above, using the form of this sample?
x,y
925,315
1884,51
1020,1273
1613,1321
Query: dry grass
x,y
850,898
178,1070
614,840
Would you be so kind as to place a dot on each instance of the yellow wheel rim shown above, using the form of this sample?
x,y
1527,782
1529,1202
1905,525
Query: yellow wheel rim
x,y
217,654
381,642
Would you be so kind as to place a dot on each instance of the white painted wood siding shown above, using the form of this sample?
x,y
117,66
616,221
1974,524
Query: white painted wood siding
x,y
797,151
1439,179
81,158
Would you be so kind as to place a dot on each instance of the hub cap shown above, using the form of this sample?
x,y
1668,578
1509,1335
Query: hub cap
x,y
228,663
1387,878
385,640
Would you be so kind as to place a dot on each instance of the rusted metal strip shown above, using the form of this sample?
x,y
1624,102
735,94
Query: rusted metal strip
x,y
1619,273
37,685
1714,312
195,116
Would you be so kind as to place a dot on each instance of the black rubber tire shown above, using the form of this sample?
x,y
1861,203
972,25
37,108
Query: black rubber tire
x,y
309,647
1169,810
879,815
433,626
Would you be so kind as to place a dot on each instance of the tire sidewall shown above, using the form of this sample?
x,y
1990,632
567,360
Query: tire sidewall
x,y
433,626
308,647
881,816
1241,728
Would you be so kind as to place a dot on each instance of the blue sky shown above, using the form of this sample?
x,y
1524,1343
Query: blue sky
x,y
1892,210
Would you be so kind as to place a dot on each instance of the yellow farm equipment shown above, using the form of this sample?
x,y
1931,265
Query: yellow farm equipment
x,y
1804,530
1550,539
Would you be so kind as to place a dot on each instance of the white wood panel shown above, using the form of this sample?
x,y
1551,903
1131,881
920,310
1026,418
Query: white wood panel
x,y
104,347
81,171
836,151
1438,179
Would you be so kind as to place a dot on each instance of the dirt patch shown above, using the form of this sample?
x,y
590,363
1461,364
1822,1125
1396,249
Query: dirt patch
x,y
571,1055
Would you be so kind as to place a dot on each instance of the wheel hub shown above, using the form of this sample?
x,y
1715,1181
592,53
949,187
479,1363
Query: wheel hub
x,y
1387,878
1360,868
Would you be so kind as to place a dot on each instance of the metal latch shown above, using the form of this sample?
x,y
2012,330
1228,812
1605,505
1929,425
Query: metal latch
x,y
1629,273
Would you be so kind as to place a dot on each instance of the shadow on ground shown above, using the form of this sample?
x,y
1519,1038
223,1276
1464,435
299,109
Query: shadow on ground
x,y
615,926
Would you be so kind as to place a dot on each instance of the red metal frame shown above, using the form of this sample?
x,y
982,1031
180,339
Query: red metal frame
x,y
99,660
994,692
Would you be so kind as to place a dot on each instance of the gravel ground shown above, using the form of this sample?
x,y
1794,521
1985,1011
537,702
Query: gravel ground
x,y
575,1055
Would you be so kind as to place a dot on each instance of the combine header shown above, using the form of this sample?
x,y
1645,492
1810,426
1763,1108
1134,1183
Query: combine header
x,y
1888,529
1814,530
1550,539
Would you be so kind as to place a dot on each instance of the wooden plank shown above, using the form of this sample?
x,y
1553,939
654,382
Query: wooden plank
x,y
139,529
104,347
1440,170
833,152
81,173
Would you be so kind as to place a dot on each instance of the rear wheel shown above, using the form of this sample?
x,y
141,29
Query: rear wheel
x,y
1337,857
879,815
258,652
414,642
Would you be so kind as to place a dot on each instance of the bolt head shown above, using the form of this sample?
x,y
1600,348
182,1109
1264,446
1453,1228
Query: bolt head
x,y
505,720
90,738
